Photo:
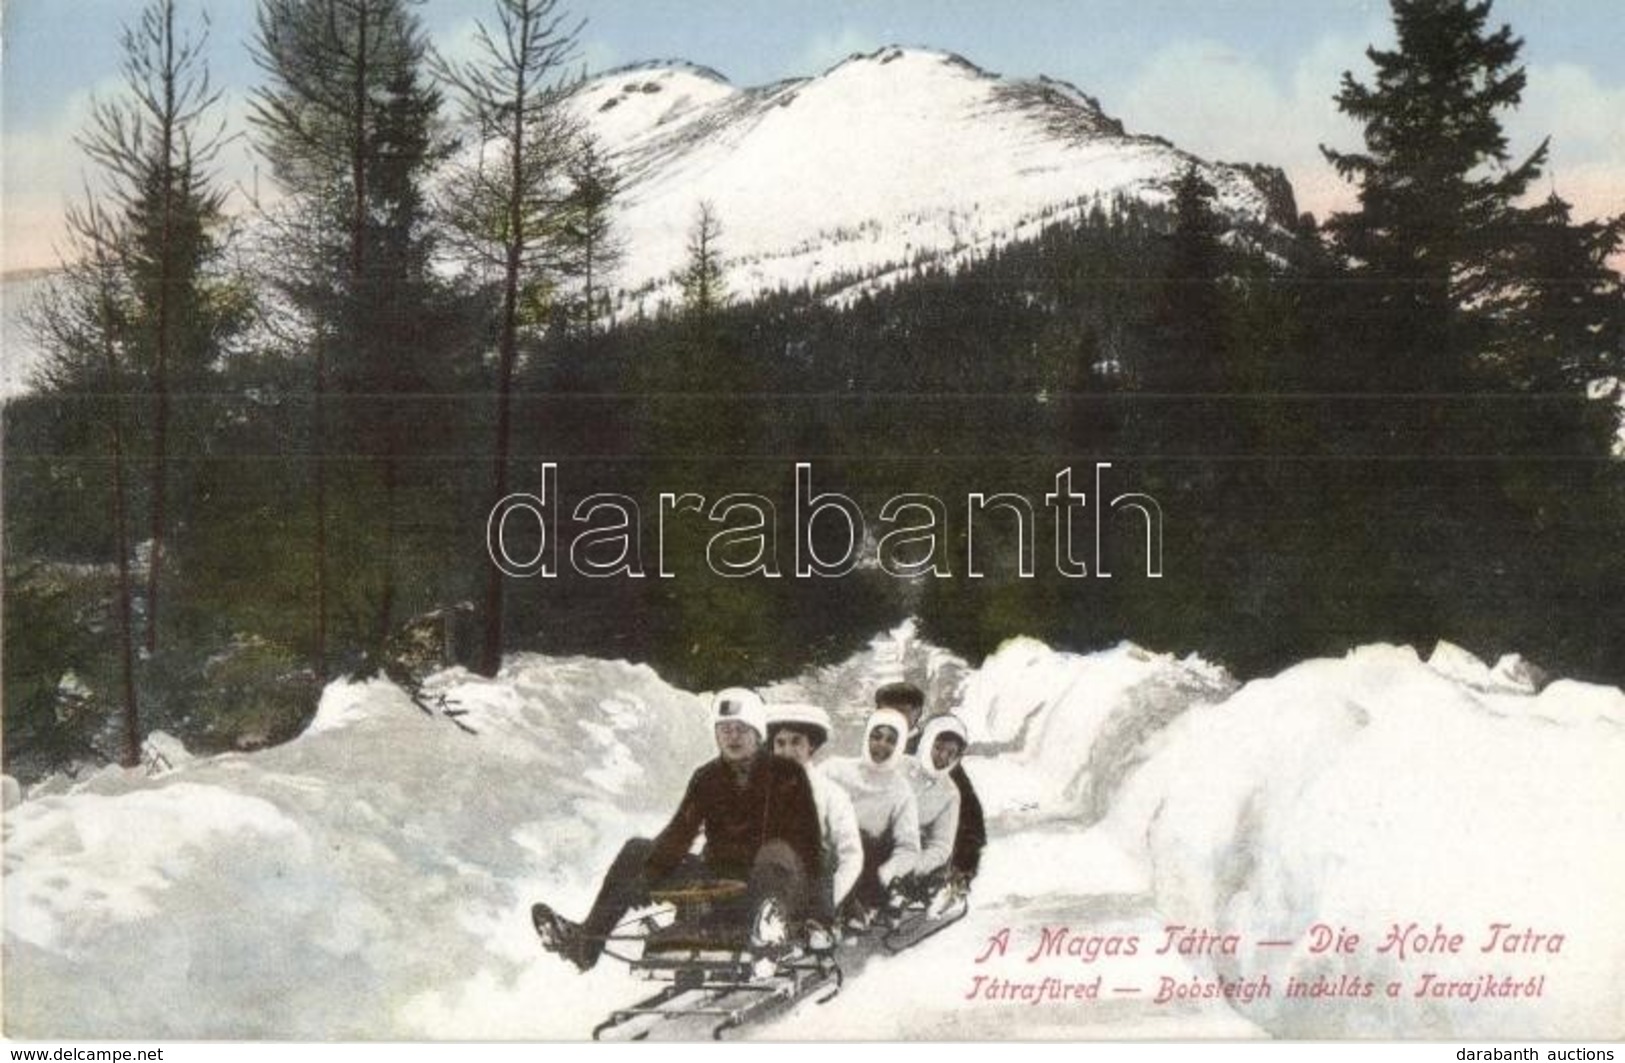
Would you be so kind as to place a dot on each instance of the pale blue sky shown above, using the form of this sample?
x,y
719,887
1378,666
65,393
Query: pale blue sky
x,y
1233,79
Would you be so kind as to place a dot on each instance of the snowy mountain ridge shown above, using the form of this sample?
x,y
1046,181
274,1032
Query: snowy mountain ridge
x,y
883,163
846,181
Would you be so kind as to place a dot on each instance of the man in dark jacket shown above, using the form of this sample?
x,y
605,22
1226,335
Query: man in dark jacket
x,y
909,700
971,836
760,824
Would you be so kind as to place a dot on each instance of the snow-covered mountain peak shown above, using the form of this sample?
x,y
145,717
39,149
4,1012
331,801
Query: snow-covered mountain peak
x,y
885,162
917,72
631,101
898,64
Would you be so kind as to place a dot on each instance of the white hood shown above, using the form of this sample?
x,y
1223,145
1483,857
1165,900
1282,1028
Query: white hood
x,y
885,718
937,725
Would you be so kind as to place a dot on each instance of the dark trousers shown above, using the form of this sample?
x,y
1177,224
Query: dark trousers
x,y
776,872
821,905
869,890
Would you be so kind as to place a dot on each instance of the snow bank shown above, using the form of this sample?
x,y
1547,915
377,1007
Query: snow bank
x,y
1377,794
372,878
1056,733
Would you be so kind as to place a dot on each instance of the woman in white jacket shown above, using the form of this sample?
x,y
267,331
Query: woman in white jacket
x,y
888,816
798,731
935,793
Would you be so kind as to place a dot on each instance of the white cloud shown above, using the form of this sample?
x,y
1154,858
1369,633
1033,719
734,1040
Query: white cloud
x,y
239,169
1219,104
461,44
598,57
1582,117
827,49
43,172
1211,100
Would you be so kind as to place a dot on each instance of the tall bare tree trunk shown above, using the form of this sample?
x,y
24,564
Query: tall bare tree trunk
x,y
319,449
160,377
130,746
508,347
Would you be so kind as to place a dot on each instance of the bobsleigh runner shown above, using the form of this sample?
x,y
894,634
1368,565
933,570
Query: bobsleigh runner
x,y
715,982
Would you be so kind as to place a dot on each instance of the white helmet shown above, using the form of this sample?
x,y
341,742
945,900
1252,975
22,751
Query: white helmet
x,y
803,717
741,705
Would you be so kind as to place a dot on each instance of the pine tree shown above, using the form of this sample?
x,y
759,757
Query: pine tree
x,y
704,290
1187,352
1567,324
594,184
154,142
1467,298
347,123
86,325
1437,189
509,206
